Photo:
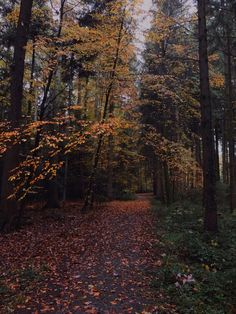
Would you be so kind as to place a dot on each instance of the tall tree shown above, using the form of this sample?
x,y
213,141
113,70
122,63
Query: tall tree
x,y
170,111
9,204
209,176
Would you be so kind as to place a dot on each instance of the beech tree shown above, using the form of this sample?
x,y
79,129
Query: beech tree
x,y
73,67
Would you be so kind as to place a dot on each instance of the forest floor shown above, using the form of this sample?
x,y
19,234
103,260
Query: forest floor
x,y
100,262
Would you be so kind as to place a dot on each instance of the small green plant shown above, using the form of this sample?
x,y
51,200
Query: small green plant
x,y
29,276
3,289
198,271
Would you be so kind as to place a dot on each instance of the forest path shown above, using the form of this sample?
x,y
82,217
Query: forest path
x,y
101,262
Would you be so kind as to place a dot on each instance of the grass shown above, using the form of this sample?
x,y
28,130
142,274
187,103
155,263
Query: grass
x,y
198,270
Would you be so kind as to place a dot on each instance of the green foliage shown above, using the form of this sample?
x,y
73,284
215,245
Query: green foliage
x,y
197,270
29,274
3,289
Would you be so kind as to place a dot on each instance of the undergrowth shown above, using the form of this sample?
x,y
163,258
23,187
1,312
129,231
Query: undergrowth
x,y
197,270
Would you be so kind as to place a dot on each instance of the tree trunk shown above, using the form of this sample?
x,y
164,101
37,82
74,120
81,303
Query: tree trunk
x,y
70,102
31,89
43,105
110,168
225,152
217,158
209,177
156,187
10,207
88,203
230,120
53,195
167,184
86,97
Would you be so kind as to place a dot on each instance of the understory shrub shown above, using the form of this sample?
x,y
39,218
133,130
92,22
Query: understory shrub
x,y
197,270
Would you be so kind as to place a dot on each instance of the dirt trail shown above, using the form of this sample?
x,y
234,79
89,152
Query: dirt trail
x,y
97,263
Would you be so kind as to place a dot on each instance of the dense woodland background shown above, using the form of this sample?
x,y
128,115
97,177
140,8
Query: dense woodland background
x,y
82,118
85,119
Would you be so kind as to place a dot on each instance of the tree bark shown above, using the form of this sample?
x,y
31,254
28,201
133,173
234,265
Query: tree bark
x,y
209,177
225,152
230,123
110,168
217,157
10,207
53,194
70,102
31,89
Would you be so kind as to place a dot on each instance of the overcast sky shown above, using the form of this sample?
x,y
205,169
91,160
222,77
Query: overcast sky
x,y
147,4
145,19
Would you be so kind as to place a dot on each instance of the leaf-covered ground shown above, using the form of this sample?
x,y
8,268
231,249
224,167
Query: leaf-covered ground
x,y
101,262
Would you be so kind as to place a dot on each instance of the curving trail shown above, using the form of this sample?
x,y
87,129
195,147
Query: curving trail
x,y
101,262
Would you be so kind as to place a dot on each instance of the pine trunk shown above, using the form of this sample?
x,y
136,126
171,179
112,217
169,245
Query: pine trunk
x,y
217,158
232,159
209,177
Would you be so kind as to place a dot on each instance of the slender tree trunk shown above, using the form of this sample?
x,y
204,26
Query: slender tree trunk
x,y
31,89
167,183
53,195
110,168
155,177
154,182
86,97
198,151
43,104
173,194
209,177
70,102
10,207
217,158
88,203
225,152
97,101
230,119
163,184
79,88
110,158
